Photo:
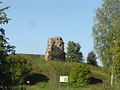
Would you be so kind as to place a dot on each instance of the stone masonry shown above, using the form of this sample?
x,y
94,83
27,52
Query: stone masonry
x,y
52,43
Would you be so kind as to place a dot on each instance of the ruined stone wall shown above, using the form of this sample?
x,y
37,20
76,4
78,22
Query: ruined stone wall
x,y
54,43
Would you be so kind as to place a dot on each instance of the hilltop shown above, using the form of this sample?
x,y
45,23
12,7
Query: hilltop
x,y
45,74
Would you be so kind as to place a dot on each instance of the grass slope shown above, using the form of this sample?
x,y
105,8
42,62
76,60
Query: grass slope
x,y
53,69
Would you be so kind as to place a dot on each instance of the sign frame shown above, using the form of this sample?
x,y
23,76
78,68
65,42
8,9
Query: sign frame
x,y
63,79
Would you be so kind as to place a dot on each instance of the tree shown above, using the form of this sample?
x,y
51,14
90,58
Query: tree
x,y
106,32
13,70
3,39
91,58
56,54
3,16
5,48
116,62
73,52
80,75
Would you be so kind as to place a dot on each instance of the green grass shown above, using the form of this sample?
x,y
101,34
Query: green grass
x,y
53,69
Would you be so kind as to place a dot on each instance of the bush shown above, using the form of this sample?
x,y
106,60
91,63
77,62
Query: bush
x,y
19,69
80,75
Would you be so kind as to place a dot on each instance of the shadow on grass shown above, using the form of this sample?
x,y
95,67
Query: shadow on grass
x,y
35,78
95,80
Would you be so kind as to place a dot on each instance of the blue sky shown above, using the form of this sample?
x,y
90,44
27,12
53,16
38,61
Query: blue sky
x,y
34,21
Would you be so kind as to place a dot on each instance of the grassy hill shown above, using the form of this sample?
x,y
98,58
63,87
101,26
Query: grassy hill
x,y
45,75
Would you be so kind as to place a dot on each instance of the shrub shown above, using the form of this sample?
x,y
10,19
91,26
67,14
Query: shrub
x,y
80,75
19,69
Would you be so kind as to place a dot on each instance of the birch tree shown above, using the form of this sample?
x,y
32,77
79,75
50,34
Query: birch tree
x,y
106,32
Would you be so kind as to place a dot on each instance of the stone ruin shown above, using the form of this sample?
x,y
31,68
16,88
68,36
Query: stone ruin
x,y
55,45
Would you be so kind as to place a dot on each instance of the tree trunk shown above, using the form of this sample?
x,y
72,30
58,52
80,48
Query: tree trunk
x,y
112,71
112,77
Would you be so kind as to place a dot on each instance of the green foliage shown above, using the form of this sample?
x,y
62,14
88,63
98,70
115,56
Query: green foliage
x,y
80,75
57,54
3,16
53,69
116,62
19,69
106,32
5,48
91,58
73,52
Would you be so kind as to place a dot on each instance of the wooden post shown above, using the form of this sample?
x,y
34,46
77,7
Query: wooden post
x,y
67,86
59,86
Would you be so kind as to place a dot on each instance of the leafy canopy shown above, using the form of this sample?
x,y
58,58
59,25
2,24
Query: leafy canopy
x,y
19,69
91,58
80,75
106,31
5,48
56,54
73,52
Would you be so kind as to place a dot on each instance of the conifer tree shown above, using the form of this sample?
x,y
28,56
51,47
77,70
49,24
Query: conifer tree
x,y
5,48
91,58
73,52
